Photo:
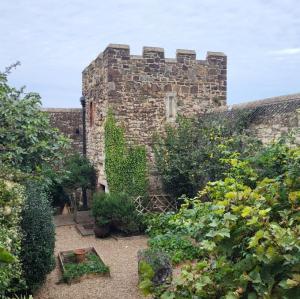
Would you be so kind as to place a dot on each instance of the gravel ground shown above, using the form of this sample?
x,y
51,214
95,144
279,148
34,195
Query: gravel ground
x,y
121,257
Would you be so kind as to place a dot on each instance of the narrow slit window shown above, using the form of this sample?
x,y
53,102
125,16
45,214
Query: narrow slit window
x,y
171,106
91,114
171,109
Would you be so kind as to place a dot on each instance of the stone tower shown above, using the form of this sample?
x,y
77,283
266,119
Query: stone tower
x,y
146,92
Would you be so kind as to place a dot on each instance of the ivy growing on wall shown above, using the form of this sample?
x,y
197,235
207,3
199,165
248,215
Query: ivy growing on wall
x,y
125,166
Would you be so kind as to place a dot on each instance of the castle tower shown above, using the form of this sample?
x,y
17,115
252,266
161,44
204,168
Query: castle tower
x,y
145,93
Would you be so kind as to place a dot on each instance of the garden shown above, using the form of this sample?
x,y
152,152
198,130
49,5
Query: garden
x,y
235,232
36,163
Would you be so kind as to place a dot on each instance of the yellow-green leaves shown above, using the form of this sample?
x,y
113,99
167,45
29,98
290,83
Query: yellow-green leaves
x,y
246,211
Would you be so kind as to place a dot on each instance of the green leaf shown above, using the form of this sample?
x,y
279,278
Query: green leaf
x,y
5,256
246,211
167,295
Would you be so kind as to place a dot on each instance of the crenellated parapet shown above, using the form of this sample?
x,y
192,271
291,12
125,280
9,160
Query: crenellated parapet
x,y
119,52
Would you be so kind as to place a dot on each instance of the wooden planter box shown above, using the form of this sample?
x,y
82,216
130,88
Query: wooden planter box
x,y
67,256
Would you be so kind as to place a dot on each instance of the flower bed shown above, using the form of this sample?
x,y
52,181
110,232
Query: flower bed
x,y
89,266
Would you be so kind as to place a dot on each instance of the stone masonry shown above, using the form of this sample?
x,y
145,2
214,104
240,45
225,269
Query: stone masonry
x,y
69,122
147,92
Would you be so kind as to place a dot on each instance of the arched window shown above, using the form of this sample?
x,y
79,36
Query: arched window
x,y
92,113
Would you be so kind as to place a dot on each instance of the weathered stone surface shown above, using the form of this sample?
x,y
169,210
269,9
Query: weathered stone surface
x,y
69,122
270,118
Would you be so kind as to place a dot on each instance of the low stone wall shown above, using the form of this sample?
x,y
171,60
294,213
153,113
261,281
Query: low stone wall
x,y
272,117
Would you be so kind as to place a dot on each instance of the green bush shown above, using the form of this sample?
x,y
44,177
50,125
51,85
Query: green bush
x,y
29,143
190,154
118,211
178,247
80,173
247,230
11,202
38,236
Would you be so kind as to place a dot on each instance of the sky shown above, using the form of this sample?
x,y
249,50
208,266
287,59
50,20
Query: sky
x,y
56,39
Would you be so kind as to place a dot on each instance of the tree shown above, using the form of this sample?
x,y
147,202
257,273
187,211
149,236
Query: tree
x,y
189,154
80,173
28,142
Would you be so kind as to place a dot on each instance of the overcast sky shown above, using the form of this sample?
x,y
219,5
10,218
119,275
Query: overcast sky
x,y
56,39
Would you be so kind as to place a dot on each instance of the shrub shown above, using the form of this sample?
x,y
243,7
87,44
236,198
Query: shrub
x,y
39,236
11,202
118,211
28,141
190,154
80,173
247,231
178,247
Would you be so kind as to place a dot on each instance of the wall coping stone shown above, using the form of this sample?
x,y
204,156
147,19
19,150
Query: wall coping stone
x,y
61,109
118,46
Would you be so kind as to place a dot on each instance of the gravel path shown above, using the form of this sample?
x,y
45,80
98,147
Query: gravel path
x,y
121,257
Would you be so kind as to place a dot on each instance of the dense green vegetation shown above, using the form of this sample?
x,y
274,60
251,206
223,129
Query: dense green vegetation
x,y
244,228
31,158
191,153
38,236
11,203
77,173
125,166
118,211
29,146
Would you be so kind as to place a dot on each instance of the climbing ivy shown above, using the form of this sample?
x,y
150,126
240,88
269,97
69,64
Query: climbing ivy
x,y
125,166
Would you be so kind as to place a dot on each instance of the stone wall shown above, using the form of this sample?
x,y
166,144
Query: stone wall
x,y
273,117
270,118
146,92
69,122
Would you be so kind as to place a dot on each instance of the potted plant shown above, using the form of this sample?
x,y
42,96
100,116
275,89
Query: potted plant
x,y
101,211
79,255
102,227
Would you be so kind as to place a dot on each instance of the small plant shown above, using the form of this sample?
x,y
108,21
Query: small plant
x,y
92,265
118,211
178,247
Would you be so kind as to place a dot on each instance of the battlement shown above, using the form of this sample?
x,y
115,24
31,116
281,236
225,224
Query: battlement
x,y
115,52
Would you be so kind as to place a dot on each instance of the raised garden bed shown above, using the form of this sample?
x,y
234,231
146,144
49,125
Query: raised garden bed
x,y
80,264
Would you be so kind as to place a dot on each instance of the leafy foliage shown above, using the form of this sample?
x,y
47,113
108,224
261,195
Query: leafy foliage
x,y
118,211
190,154
11,201
125,167
6,256
178,247
93,264
80,173
38,236
28,143
246,227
